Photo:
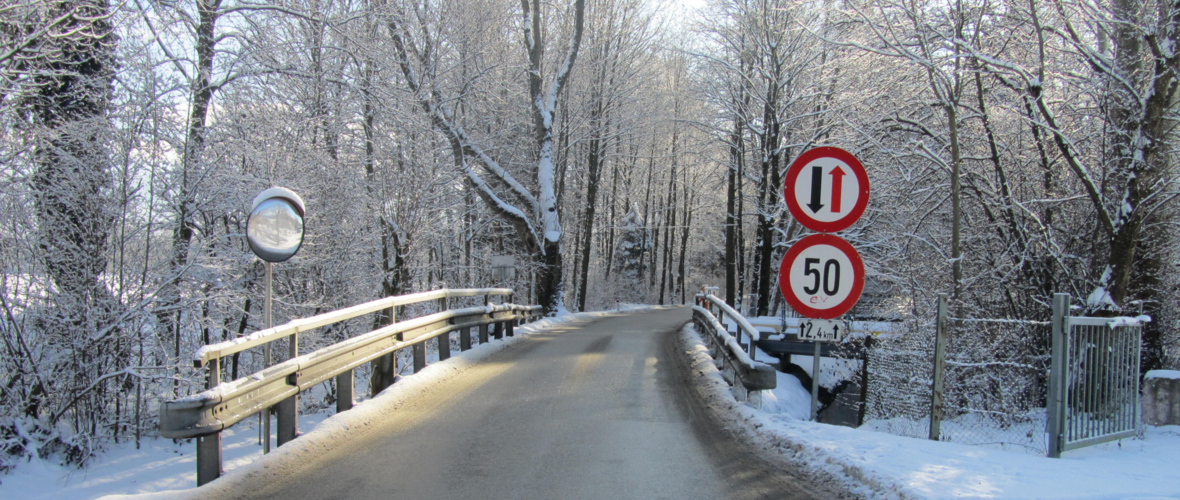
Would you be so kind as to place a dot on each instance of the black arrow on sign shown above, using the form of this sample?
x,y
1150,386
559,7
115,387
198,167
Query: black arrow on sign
x,y
817,184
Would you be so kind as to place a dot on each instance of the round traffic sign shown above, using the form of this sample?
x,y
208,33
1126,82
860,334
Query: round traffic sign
x,y
827,189
822,276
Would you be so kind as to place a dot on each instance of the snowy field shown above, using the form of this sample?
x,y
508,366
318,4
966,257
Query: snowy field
x,y
869,464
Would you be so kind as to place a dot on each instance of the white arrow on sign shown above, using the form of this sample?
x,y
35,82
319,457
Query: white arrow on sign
x,y
822,276
826,189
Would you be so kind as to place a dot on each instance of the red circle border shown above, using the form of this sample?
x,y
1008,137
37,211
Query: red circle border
x,y
796,210
858,282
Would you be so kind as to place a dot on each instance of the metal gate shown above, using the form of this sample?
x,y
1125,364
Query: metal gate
x,y
1094,382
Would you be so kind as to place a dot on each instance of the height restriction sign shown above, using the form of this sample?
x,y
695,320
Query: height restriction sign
x,y
822,276
826,189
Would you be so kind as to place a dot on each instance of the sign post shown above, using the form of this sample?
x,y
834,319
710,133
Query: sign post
x,y
822,275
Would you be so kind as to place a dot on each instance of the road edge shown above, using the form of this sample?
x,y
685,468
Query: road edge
x,y
754,428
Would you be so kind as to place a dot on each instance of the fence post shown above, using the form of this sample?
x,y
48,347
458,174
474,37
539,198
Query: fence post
x,y
864,383
1057,375
209,447
936,389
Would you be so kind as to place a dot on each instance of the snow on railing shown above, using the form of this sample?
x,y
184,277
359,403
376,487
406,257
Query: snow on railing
x,y
229,347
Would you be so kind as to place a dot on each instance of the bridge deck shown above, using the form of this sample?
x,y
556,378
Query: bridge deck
x,y
596,410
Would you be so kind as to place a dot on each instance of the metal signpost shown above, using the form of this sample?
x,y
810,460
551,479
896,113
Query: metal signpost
x,y
822,275
275,234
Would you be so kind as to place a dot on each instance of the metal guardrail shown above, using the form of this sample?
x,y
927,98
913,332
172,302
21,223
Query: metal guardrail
x,y
204,415
710,301
744,374
229,347
1094,381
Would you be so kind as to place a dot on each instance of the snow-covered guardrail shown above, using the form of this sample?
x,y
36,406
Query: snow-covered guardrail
x,y
744,374
204,415
710,301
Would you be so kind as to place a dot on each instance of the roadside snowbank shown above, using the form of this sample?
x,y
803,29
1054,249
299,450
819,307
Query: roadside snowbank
x,y
875,464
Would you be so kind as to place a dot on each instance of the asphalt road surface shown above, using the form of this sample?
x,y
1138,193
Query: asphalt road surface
x,y
597,410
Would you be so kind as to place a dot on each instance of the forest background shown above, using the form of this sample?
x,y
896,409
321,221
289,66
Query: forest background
x,y
620,150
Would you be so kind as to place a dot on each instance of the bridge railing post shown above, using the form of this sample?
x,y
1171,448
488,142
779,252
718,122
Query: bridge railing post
x,y
288,416
444,340
288,409
384,368
511,322
419,351
344,386
209,447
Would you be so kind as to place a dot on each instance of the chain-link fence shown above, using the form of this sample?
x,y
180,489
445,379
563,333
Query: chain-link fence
x,y
994,382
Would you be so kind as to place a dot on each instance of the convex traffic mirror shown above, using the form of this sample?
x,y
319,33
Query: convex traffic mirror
x,y
275,227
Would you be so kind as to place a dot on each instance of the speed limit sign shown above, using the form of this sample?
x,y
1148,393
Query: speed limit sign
x,y
822,276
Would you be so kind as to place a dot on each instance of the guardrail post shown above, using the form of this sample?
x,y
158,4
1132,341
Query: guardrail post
x,y
936,388
288,418
483,334
465,339
499,330
209,447
444,340
384,368
288,409
384,371
419,350
344,386
444,346
1058,378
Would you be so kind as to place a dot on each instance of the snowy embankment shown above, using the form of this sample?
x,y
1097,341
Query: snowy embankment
x,y
875,464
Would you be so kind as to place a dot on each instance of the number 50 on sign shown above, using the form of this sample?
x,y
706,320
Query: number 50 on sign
x,y
822,276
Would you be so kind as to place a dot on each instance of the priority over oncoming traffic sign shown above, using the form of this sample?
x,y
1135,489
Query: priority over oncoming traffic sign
x,y
826,189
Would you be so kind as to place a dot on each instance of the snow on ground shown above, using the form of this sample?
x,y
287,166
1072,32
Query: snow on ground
x,y
864,462
1164,374
875,464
